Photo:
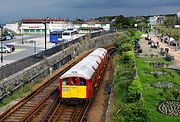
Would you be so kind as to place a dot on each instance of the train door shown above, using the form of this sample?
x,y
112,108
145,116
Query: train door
x,y
81,88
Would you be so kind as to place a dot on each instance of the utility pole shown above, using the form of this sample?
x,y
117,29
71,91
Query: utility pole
x,y
45,32
22,37
1,44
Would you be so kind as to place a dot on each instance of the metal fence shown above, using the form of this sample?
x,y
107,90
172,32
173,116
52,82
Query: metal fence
x,y
19,65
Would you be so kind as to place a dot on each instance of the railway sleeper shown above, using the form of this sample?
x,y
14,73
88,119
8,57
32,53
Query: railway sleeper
x,y
18,115
24,109
20,112
11,120
29,105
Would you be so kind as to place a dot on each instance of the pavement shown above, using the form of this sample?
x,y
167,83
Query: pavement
x,y
172,50
147,50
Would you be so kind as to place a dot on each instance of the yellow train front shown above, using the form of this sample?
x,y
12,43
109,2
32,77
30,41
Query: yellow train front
x,y
80,81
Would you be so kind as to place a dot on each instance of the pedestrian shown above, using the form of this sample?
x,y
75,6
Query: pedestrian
x,y
157,43
167,50
161,38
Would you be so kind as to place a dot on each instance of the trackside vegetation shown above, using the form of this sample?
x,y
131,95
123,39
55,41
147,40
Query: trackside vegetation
x,y
129,104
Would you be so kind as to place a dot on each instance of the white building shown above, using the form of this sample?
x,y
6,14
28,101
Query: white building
x,y
36,26
96,24
153,20
13,27
156,20
178,14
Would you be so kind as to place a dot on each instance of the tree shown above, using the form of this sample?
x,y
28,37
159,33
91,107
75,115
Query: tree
x,y
142,25
176,35
170,21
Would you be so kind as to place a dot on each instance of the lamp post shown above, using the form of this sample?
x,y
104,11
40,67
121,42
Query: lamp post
x,y
1,44
45,33
22,37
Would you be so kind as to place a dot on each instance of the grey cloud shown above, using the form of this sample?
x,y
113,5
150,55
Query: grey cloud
x,y
17,9
125,3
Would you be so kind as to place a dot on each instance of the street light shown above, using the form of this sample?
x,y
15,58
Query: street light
x,y
22,37
45,33
1,44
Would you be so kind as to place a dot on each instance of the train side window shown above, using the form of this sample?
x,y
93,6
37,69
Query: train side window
x,y
65,81
82,82
73,81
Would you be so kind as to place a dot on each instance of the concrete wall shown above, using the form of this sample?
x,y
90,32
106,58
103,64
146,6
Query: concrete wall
x,y
49,64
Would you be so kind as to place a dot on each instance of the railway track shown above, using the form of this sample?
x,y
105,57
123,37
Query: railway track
x,y
28,107
43,104
67,113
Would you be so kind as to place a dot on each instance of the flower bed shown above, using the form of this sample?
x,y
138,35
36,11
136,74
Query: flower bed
x,y
170,108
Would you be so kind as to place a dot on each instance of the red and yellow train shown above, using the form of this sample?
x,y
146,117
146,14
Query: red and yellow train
x,y
80,81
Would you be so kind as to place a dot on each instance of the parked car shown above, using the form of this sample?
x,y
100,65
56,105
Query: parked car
x,y
166,39
8,37
10,46
5,49
153,45
2,38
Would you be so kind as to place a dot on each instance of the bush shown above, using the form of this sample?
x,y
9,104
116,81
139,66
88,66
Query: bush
x,y
135,90
135,112
131,55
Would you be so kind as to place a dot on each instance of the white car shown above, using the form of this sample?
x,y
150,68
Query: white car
x,y
5,49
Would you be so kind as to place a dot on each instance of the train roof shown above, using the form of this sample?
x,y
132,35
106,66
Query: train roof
x,y
86,67
101,52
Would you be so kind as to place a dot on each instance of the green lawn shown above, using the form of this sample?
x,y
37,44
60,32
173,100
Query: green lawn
x,y
152,95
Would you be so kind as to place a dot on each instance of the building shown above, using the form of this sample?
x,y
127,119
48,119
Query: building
x,y
96,24
13,27
37,26
89,29
178,14
156,20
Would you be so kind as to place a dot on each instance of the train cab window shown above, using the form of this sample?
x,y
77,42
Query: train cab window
x,y
82,82
73,81
65,82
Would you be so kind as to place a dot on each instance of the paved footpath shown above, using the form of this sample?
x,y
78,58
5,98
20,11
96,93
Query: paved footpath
x,y
172,50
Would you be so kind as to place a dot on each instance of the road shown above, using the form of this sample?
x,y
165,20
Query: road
x,y
26,49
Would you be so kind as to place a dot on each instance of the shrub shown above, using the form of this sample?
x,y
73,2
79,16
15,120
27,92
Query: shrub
x,y
135,90
135,112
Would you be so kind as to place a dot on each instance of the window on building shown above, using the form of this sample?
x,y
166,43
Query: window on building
x,y
26,30
32,30
38,30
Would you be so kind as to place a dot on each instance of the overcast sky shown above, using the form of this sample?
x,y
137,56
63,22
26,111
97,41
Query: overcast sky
x,y
11,10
